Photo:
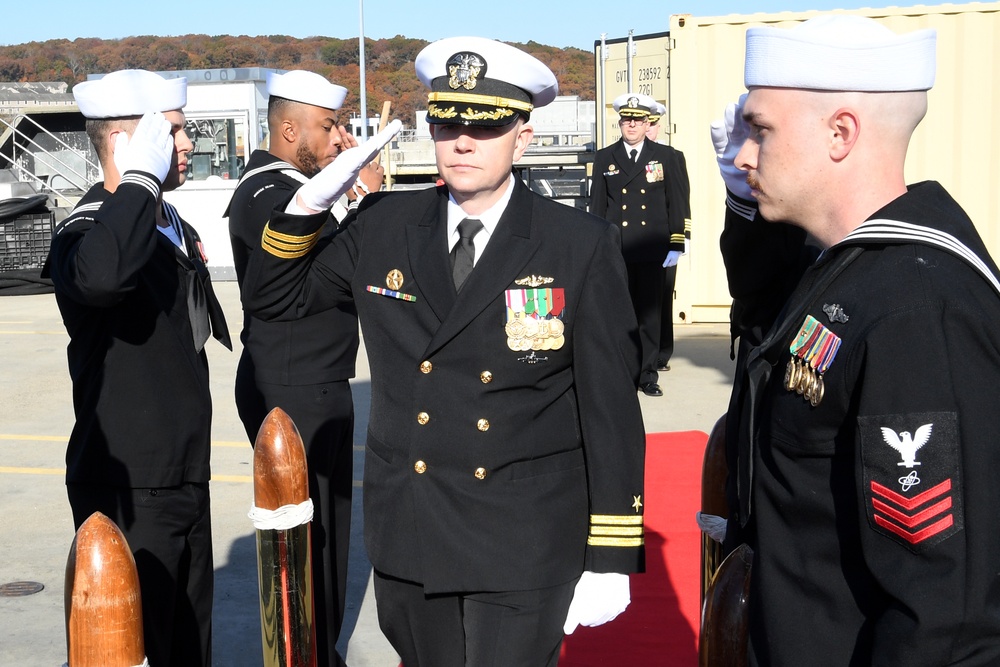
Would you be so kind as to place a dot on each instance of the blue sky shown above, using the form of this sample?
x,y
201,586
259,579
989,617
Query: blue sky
x,y
558,23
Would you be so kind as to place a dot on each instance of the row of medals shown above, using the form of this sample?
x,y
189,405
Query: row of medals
x,y
803,379
527,333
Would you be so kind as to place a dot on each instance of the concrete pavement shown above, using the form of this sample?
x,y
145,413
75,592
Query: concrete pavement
x,y
36,524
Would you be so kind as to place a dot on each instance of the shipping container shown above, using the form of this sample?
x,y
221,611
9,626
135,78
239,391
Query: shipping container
x,y
957,144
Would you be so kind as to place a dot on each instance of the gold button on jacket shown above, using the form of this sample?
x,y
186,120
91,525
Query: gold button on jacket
x,y
420,467
486,377
426,367
480,473
483,425
423,418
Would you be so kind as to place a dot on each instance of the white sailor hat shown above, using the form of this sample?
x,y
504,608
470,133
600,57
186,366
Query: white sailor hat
x,y
840,52
633,105
655,112
129,92
306,87
479,81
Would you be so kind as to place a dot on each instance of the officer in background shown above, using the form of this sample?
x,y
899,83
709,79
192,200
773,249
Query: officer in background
x,y
656,112
504,466
135,296
303,366
642,187
670,272
865,472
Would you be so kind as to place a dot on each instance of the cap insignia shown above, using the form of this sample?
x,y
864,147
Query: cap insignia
x,y
464,70
633,103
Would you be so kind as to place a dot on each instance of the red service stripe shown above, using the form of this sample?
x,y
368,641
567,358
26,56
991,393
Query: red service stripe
x,y
915,501
920,535
916,519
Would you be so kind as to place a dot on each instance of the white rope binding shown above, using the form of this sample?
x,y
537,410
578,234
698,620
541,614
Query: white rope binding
x,y
711,525
283,518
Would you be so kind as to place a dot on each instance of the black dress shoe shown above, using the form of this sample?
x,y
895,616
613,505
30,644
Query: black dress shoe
x,y
662,366
650,389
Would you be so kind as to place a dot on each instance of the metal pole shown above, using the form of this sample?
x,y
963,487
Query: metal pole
x,y
602,110
629,53
361,63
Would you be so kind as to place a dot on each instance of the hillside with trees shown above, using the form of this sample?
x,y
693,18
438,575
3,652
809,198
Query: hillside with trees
x,y
388,74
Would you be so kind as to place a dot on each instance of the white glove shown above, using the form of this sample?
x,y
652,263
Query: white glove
x,y
337,177
712,525
672,258
150,149
598,598
687,246
728,135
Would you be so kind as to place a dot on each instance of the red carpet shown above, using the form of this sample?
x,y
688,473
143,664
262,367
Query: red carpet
x,y
660,627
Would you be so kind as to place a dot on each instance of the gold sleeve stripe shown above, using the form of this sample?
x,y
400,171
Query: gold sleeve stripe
x,y
622,531
287,246
283,253
687,224
616,519
676,237
289,238
614,541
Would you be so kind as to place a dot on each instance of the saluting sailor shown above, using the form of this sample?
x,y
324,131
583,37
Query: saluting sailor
x,y
642,187
303,366
135,296
504,467
863,471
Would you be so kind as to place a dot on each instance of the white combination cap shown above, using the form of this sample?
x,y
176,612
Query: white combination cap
x,y
634,105
840,52
656,112
479,81
307,88
129,92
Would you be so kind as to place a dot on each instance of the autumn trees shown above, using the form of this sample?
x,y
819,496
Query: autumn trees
x,y
388,74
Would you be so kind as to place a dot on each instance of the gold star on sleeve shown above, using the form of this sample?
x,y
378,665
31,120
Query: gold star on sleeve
x,y
637,504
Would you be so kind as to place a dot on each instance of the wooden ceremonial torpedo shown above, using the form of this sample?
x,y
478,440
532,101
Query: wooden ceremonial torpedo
x,y
102,598
283,555
725,613
713,499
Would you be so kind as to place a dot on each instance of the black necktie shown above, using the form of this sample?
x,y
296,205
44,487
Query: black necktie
x,y
464,252
632,153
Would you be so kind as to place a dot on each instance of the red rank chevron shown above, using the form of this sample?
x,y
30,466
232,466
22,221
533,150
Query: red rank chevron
x,y
904,520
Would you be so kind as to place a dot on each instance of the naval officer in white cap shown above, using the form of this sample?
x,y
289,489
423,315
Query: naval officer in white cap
x,y
135,296
504,466
303,366
642,187
864,471
656,112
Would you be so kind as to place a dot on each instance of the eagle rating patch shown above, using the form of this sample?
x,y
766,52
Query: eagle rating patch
x,y
912,476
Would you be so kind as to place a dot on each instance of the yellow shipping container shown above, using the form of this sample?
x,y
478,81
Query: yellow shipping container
x,y
701,68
